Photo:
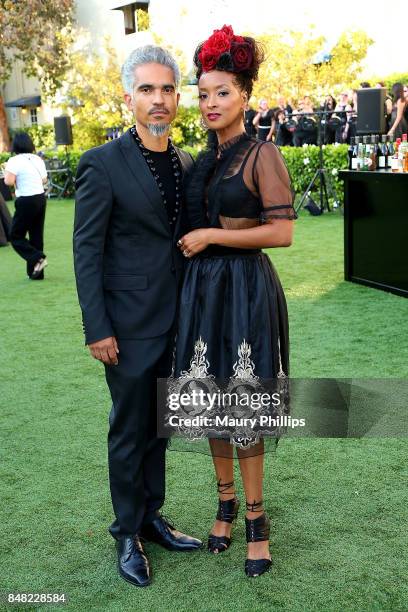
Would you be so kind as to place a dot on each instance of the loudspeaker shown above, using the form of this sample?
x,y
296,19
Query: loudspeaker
x,y
63,130
371,111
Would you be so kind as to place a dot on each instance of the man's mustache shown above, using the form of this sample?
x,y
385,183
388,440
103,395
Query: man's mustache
x,y
161,110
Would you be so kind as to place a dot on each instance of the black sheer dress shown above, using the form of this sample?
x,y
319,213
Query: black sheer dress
x,y
233,320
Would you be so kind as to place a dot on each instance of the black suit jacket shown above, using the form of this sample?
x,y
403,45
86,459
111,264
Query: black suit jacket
x,y
127,264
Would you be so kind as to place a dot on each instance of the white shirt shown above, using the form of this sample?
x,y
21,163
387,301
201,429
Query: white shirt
x,y
29,170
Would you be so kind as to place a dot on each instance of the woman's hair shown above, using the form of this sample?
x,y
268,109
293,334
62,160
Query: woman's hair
x,y
240,55
22,143
398,92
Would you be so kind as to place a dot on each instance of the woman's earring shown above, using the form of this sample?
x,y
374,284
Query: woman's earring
x,y
203,124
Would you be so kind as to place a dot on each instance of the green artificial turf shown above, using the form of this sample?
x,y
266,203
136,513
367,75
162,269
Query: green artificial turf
x,y
338,507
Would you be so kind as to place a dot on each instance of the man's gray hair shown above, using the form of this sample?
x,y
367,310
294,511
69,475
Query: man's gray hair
x,y
147,55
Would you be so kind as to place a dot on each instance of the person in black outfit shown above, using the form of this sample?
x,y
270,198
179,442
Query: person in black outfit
x,y
328,126
128,268
284,106
263,120
233,320
284,131
249,116
306,129
5,222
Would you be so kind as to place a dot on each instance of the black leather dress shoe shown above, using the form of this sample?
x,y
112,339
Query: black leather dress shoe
x,y
162,532
132,562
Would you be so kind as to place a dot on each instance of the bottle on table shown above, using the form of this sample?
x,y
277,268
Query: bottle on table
x,y
403,153
395,163
366,153
405,166
352,156
382,153
391,150
360,153
372,164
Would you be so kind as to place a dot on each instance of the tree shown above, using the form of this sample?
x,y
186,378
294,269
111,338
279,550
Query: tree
x,y
291,70
93,91
38,33
344,67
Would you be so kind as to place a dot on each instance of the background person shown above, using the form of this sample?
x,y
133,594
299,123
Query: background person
x,y
343,110
328,129
284,106
263,120
306,129
283,130
249,117
399,123
5,222
27,173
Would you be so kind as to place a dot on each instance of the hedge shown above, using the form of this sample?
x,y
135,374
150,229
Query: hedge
x,y
302,163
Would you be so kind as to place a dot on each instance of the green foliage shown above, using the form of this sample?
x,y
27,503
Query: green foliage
x,y
143,20
303,162
38,33
289,69
94,93
187,130
395,77
43,135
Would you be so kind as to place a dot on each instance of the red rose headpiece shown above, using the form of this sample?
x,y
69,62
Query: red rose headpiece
x,y
226,51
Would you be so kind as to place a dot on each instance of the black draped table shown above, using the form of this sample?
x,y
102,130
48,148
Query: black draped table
x,y
376,229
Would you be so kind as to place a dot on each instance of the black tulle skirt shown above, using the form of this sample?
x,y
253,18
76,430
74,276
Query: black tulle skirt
x,y
232,321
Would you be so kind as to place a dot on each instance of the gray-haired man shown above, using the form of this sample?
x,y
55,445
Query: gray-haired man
x,y
128,267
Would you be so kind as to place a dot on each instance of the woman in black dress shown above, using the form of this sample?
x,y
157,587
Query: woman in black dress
x,y
263,120
233,317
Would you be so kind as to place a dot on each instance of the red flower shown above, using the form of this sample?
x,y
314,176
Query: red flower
x,y
230,33
208,59
219,42
242,55
216,45
224,41
227,30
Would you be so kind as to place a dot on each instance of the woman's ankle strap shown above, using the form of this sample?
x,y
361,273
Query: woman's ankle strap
x,y
223,487
255,506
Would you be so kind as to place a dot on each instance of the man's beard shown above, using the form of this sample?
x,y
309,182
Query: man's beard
x,y
158,129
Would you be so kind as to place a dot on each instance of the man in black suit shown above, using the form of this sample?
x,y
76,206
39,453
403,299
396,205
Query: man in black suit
x,y
128,269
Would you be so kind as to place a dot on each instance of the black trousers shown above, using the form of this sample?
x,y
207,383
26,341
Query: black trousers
x,y
136,456
29,219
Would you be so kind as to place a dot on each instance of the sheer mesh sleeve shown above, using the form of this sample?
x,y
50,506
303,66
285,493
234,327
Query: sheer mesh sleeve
x,y
266,174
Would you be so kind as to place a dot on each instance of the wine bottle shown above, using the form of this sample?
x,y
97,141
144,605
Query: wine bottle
x,y
354,155
367,153
382,153
350,152
360,154
390,151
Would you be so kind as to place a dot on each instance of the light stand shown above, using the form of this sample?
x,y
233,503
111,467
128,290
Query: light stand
x,y
321,175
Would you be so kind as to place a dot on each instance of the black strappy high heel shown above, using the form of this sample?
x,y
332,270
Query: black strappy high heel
x,y
227,513
257,530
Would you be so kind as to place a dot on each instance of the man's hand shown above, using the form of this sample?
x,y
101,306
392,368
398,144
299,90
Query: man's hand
x,y
105,350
